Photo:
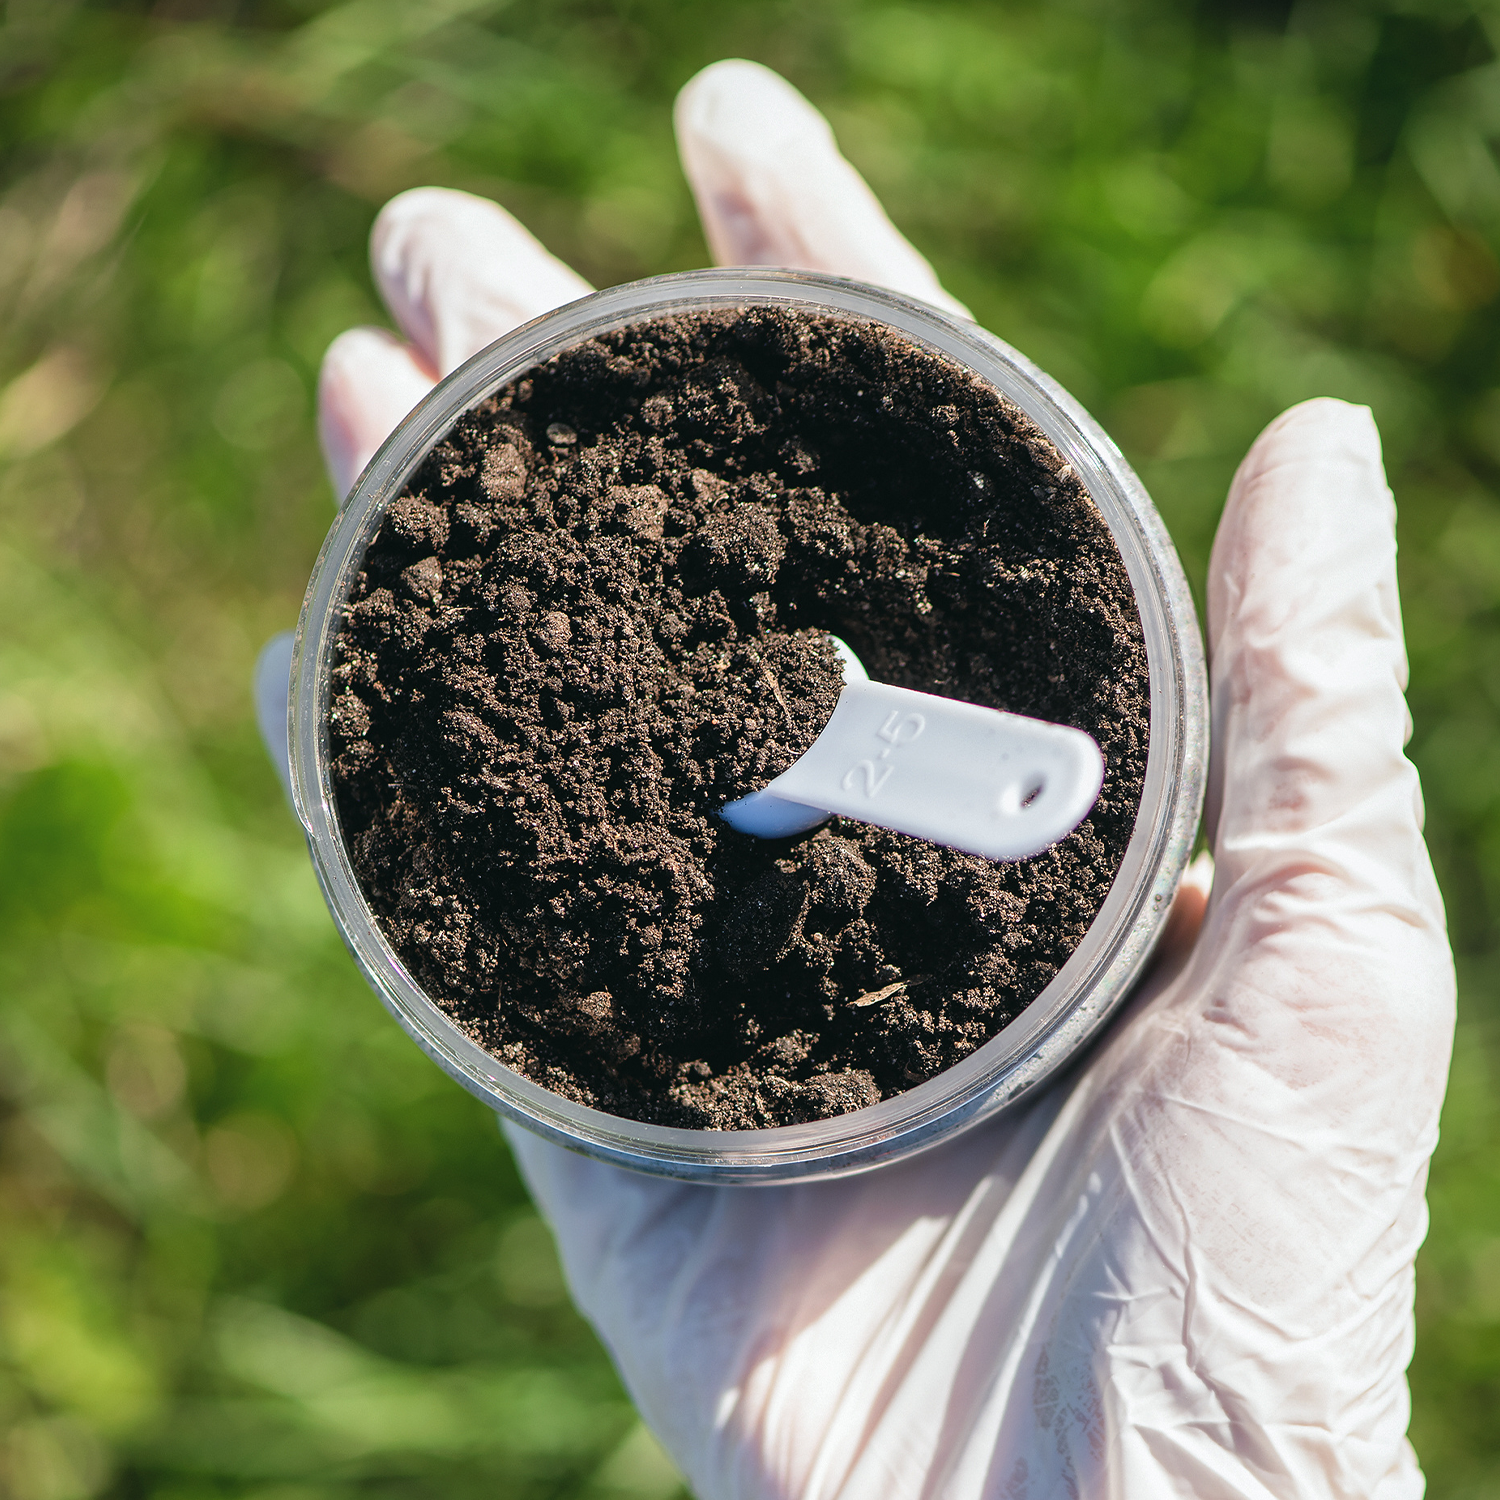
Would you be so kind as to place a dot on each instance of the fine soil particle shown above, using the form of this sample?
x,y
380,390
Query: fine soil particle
x,y
599,612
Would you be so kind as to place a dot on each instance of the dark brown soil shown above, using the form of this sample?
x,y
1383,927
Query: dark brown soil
x,y
599,612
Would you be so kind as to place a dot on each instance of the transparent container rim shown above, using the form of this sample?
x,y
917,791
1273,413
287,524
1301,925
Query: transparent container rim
x,y
1085,991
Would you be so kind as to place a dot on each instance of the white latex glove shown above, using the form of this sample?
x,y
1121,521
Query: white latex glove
x,y
1185,1269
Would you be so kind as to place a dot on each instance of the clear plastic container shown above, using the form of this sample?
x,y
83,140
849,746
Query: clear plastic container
x,y
1059,1022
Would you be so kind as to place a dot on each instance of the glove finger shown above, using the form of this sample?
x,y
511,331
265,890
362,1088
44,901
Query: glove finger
x,y
1324,896
773,189
368,383
1185,920
458,271
1308,660
271,688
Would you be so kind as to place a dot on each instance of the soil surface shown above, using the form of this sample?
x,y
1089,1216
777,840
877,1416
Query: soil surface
x,y
600,611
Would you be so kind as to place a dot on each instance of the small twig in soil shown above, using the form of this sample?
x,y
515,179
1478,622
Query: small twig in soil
x,y
775,686
874,997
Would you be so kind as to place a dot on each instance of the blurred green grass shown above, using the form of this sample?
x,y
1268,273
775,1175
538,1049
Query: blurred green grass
x,y
256,1245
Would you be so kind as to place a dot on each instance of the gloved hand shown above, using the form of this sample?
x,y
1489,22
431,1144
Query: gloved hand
x,y
1186,1269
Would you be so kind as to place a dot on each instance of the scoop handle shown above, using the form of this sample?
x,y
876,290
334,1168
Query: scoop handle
x,y
990,783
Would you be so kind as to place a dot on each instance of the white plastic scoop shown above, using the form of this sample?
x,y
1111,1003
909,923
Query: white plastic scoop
x,y
990,783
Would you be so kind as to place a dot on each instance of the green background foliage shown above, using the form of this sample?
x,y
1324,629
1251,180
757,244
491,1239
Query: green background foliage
x,y
254,1243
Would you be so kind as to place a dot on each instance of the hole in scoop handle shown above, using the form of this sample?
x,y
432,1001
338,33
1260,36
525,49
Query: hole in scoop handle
x,y
990,783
